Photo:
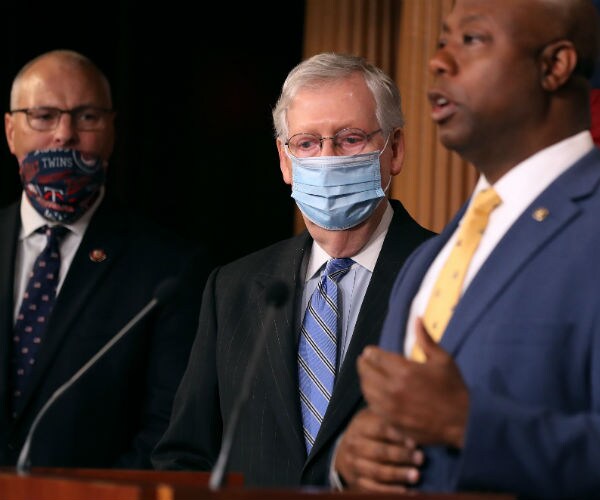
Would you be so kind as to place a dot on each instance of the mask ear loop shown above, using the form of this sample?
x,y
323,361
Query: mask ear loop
x,y
385,189
385,145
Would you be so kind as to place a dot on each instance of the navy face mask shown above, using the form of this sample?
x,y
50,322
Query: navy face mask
x,y
337,192
61,184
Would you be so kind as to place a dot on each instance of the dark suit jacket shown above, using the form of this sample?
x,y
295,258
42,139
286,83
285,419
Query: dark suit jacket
x,y
269,446
114,415
526,337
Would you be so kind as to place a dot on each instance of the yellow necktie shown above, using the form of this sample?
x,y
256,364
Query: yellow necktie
x,y
447,290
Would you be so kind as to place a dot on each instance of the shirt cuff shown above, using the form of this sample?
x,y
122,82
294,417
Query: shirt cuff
x,y
335,480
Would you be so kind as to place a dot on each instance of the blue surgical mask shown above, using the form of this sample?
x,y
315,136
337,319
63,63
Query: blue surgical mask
x,y
337,192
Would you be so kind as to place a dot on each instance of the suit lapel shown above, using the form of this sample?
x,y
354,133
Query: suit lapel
x,y
528,235
279,374
105,233
9,222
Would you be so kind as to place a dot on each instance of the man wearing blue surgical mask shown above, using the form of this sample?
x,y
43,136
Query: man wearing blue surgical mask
x,y
338,126
75,268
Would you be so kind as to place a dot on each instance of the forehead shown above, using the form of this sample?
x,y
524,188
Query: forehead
x,y
520,24
346,101
508,15
61,84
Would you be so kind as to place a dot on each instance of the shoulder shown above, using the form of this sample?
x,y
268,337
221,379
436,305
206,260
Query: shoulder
x,y
407,224
281,257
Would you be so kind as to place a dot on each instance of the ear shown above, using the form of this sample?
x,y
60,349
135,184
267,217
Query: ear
x,y
9,130
285,164
397,145
558,63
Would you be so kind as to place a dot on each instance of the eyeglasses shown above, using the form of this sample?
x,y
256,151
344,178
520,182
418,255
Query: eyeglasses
x,y
85,118
348,141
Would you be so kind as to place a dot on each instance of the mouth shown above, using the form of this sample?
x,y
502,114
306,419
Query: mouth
x,y
442,108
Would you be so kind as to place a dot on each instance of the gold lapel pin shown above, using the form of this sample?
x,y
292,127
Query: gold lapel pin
x,y
539,214
97,255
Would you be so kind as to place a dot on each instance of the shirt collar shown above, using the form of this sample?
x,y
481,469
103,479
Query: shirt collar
x,y
366,257
530,177
31,220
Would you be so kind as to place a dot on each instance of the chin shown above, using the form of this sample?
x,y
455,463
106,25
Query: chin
x,y
453,141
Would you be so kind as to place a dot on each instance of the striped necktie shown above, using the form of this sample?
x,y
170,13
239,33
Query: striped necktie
x,y
317,350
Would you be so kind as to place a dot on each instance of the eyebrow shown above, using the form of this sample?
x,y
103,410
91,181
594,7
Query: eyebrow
x,y
465,21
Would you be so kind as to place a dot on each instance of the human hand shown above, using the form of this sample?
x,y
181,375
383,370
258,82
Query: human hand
x,y
428,402
374,456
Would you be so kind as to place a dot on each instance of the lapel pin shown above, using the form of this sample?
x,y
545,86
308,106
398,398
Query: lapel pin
x,y
97,255
539,214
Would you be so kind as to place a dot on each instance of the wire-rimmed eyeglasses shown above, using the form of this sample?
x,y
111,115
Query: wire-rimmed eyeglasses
x,y
85,118
348,141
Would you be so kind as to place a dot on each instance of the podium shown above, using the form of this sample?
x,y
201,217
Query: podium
x,y
44,483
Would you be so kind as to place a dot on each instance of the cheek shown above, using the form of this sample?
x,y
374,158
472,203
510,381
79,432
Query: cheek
x,y
492,90
101,145
24,143
286,170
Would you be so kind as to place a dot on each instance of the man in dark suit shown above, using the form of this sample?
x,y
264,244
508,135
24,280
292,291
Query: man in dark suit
x,y
60,129
339,134
509,398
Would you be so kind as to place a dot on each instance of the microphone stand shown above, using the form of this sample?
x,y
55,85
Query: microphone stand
x,y
164,291
276,296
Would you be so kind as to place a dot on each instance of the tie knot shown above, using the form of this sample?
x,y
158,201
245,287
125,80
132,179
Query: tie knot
x,y
336,268
53,233
485,201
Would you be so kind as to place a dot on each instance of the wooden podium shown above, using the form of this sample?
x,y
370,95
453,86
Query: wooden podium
x,y
118,484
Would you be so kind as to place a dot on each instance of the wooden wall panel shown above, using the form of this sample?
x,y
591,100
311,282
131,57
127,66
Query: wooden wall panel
x,y
399,36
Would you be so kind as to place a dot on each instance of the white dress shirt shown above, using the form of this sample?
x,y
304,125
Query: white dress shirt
x,y
31,244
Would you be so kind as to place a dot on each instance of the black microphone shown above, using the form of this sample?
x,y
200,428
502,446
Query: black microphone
x,y
163,293
276,296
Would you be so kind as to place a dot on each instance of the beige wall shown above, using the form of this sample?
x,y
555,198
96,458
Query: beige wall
x,y
399,36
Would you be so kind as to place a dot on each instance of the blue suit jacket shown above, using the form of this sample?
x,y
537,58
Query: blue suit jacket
x,y
526,337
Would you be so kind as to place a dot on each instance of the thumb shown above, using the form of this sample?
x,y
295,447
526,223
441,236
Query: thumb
x,y
430,347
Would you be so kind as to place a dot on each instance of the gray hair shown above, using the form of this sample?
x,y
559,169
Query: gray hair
x,y
328,67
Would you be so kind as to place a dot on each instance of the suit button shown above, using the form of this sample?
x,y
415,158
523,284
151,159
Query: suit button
x,y
11,447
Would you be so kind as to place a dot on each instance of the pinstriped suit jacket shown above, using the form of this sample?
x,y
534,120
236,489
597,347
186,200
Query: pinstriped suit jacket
x,y
269,446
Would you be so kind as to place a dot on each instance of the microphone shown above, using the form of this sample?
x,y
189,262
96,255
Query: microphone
x,y
276,296
163,293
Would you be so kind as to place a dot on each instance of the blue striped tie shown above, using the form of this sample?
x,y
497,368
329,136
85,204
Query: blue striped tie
x,y
317,350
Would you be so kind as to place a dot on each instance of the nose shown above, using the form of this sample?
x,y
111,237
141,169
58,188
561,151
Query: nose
x,y
328,147
442,63
66,131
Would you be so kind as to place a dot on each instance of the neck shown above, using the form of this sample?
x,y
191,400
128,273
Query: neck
x,y
349,242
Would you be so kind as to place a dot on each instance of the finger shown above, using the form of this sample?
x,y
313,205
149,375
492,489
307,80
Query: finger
x,y
383,377
372,379
384,361
373,475
376,361
388,453
377,428
431,349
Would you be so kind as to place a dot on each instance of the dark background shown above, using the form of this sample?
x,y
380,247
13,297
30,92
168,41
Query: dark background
x,y
194,91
